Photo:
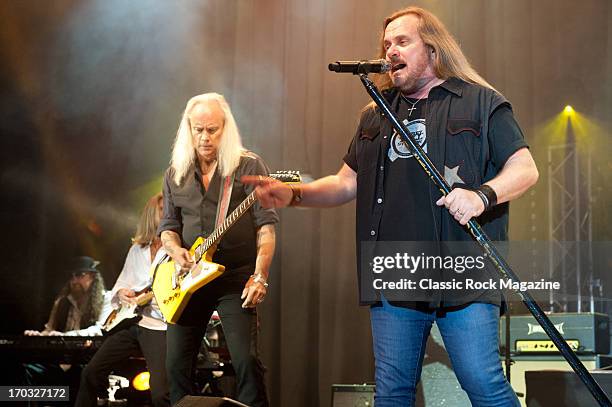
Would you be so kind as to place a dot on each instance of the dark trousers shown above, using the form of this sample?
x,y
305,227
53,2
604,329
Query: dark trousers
x,y
45,374
240,329
115,351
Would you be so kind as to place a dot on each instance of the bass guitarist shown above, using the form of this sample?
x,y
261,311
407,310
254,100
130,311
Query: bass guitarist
x,y
148,337
208,161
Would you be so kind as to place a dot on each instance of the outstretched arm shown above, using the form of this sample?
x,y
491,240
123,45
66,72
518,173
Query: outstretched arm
x,y
329,191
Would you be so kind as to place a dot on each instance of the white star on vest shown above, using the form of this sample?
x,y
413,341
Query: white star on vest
x,y
451,176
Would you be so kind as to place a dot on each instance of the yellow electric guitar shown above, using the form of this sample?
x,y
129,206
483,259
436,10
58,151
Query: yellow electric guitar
x,y
173,288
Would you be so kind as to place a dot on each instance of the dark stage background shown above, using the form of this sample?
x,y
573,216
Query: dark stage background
x,y
91,95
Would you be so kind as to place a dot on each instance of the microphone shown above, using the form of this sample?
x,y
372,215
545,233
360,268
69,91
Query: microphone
x,y
357,67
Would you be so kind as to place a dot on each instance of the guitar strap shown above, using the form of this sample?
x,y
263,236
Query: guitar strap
x,y
225,194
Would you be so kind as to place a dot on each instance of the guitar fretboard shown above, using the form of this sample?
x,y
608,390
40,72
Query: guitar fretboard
x,y
227,223
217,234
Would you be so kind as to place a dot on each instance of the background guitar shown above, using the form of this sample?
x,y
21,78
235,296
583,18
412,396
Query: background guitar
x,y
127,314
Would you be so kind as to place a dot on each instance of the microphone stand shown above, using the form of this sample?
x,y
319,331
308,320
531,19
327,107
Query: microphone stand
x,y
487,246
507,357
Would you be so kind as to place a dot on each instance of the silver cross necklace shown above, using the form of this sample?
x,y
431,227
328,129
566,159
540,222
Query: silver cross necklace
x,y
413,105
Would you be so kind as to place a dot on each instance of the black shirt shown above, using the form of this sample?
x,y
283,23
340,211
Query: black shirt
x,y
190,211
470,130
405,175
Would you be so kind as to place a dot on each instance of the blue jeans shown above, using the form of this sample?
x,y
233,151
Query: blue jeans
x,y
470,335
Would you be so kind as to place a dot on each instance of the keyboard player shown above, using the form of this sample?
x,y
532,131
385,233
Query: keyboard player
x,y
80,309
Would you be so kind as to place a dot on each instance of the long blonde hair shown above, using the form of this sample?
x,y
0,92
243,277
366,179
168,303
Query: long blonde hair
x,y
146,231
230,146
449,60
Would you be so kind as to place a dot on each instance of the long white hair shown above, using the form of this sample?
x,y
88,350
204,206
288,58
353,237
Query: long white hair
x,y
230,145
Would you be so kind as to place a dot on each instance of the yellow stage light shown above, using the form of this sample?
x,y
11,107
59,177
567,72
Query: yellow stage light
x,y
141,381
568,110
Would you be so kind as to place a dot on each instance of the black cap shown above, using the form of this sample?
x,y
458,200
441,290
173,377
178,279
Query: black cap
x,y
83,264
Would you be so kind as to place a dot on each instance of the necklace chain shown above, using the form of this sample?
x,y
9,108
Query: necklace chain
x,y
413,105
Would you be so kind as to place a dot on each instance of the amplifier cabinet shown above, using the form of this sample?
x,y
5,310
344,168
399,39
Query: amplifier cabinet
x,y
353,395
568,388
590,331
525,364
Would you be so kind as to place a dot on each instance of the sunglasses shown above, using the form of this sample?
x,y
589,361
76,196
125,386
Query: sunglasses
x,y
79,274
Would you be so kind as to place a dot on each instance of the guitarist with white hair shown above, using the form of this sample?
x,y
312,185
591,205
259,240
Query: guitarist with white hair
x,y
148,336
201,186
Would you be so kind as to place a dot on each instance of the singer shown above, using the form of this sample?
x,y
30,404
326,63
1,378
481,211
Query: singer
x,y
468,130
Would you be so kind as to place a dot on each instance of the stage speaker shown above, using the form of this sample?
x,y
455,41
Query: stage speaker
x,y
196,401
554,388
352,395
530,363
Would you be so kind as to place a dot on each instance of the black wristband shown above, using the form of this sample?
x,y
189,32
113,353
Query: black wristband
x,y
488,193
483,198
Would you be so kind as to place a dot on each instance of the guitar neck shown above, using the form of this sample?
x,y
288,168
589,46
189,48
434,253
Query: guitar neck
x,y
145,299
232,218
217,234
